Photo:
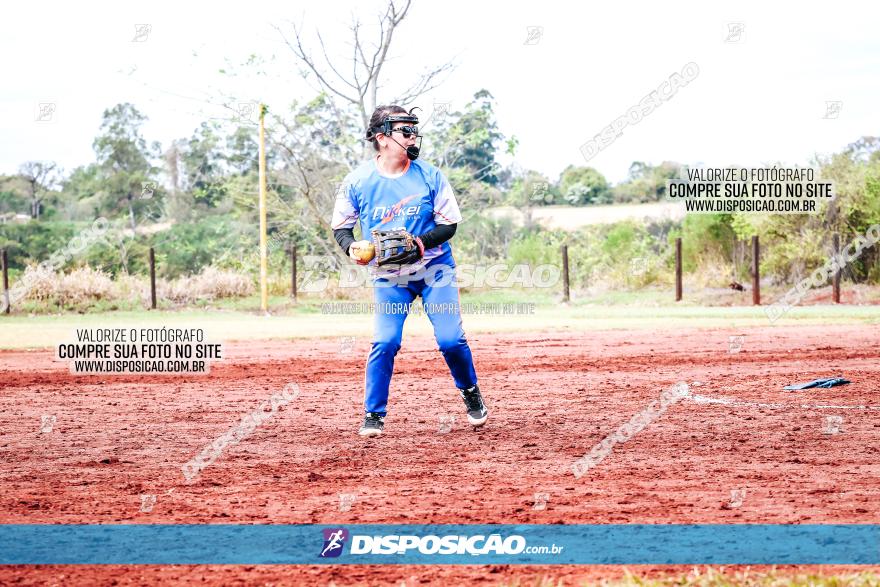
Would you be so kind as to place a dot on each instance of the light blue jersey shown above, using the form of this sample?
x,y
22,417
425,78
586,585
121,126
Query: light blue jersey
x,y
418,199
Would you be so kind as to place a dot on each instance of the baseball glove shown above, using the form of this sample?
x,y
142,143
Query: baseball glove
x,y
397,247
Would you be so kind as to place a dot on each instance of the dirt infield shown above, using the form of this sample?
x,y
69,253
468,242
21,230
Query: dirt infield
x,y
552,396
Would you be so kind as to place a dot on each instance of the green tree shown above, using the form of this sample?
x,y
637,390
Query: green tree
x,y
242,151
81,192
645,183
124,160
661,174
13,195
203,159
40,177
469,140
532,188
798,244
639,170
580,186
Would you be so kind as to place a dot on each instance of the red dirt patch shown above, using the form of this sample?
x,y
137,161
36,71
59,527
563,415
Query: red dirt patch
x,y
552,398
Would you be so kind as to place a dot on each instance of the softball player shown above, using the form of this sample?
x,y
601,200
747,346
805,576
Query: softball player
x,y
396,190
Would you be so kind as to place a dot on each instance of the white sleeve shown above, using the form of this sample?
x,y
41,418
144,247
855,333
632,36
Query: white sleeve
x,y
445,205
345,211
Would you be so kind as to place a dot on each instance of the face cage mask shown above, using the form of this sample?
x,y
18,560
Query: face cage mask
x,y
412,152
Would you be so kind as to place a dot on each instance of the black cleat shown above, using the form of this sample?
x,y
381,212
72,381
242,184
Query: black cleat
x,y
373,425
476,410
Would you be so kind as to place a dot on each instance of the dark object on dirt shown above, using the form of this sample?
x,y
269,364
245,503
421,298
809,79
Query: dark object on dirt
x,y
825,383
737,286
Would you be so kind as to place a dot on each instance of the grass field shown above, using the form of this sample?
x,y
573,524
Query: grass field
x,y
242,320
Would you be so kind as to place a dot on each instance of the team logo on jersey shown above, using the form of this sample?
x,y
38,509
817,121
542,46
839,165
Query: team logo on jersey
x,y
389,212
334,540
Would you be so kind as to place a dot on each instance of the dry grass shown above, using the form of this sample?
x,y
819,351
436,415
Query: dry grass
x,y
84,288
80,286
210,284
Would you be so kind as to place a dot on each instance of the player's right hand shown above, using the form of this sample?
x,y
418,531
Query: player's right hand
x,y
362,252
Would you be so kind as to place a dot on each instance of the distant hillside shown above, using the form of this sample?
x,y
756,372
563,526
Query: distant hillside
x,y
573,217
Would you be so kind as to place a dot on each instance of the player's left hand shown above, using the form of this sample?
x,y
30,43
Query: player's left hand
x,y
397,247
407,257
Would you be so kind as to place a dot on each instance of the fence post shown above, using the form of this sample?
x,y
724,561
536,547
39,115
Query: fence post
x,y
293,270
152,278
565,284
678,269
756,271
836,279
5,259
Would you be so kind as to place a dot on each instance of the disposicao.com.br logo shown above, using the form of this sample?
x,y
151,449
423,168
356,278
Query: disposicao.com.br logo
x,y
334,541
476,545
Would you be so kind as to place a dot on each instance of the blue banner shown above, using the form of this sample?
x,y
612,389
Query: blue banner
x,y
432,544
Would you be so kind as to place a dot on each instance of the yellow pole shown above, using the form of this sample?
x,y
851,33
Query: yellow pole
x,y
264,267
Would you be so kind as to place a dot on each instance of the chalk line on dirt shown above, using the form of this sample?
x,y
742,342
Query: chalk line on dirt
x,y
725,401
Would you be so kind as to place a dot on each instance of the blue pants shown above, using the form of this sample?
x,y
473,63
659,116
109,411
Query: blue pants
x,y
440,298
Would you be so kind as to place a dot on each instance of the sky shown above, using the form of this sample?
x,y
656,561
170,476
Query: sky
x,y
559,71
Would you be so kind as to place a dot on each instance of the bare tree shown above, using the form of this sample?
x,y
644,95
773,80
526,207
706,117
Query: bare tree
x,y
361,88
314,165
40,177
314,175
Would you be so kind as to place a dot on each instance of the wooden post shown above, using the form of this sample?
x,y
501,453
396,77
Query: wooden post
x,y
678,269
756,271
835,284
152,278
5,259
565,284
293,270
